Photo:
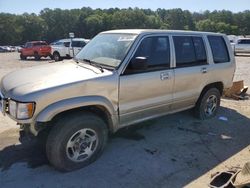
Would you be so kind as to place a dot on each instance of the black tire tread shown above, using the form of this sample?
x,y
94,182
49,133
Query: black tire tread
x,y
198,107
57,133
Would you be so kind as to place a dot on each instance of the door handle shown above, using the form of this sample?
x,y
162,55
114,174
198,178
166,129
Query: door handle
x,y
204,70
165,76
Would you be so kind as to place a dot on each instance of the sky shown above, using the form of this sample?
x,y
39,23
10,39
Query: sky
x,y
35,6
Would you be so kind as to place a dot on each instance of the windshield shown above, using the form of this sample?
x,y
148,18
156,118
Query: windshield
x,y
107,49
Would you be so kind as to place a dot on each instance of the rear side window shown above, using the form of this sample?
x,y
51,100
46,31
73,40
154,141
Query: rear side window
x,y
244,41
189,51
219,49
78,44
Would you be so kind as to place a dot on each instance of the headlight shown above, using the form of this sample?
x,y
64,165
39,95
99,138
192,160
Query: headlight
x,y
21,110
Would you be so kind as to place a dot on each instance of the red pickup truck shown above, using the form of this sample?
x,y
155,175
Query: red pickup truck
x,y
35,49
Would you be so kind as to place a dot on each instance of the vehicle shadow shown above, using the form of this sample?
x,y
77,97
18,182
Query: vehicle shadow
x,y
194,147
171,151
29,151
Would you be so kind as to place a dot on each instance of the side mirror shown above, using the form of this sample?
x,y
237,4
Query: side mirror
x,y
139,63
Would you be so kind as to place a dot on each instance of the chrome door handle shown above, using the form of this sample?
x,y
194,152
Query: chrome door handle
x,y
204,70
164,76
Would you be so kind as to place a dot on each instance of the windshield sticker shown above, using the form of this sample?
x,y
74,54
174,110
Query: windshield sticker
x,y
126,38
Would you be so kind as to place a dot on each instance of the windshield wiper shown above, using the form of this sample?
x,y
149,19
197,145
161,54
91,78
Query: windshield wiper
x,y
95,64
82,65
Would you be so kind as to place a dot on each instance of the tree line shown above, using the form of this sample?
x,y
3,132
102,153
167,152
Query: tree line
x,y
51,25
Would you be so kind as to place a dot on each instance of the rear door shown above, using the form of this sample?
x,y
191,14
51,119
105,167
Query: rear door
x,y
147,93
191,67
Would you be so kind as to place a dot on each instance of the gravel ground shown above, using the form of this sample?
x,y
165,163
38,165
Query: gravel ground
x,y
173,151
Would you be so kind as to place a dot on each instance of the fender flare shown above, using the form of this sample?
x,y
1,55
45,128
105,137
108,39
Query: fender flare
x,y
56,108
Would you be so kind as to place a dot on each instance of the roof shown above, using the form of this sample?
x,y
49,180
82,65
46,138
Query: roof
x,y
37,41
74,39
151,31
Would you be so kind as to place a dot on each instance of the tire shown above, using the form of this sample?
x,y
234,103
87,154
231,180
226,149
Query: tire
x,y
56,56
65,141
51,57
208,104
37,57
22,57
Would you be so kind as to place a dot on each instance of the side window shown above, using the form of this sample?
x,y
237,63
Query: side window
x,y
82,44
75,44
157,52
240,42
78,44
244,41
200,51
66,44
28,45
189,51
219,49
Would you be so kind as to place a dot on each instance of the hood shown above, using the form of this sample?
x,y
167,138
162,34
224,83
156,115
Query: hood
x,y
37,78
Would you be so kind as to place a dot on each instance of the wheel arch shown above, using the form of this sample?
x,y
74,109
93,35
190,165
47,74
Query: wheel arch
x,y
56,52
217,85
96,105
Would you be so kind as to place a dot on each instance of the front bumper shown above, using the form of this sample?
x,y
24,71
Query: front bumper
x,y
29,127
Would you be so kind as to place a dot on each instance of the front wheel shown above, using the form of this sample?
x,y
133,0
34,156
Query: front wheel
x,y
208,104
22,57
76,141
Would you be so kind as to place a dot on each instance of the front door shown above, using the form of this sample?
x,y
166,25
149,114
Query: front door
x,y
147,93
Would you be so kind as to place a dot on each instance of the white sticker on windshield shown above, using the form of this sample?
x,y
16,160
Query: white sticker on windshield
x,y
126,38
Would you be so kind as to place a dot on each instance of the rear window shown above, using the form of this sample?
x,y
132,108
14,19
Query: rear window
x,y
219,49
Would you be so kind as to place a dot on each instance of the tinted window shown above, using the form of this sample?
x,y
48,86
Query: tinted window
x,y
78,44
189,51
66,44
219,49
28,45
157,52
58,44
244,41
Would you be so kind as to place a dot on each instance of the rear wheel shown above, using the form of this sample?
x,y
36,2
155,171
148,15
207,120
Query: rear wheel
x,y
76,141
208,104
56,56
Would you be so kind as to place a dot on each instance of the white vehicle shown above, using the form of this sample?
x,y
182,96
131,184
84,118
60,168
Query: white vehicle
x,y
63,48
242,45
